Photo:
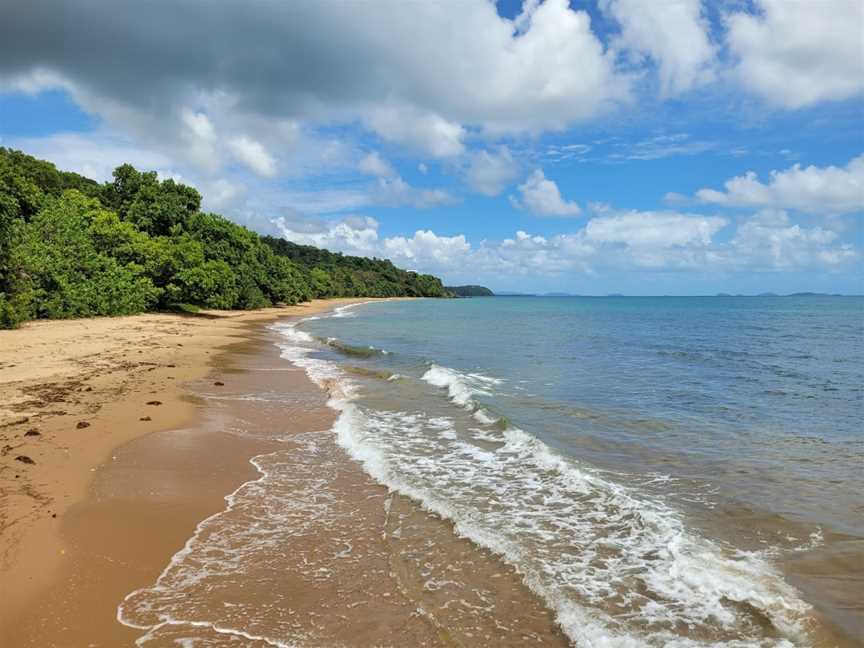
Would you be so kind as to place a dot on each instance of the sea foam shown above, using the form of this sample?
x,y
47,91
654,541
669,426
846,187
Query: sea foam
x,y
461,387
617,568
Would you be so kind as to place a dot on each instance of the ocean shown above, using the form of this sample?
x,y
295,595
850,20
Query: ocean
x,y
550,471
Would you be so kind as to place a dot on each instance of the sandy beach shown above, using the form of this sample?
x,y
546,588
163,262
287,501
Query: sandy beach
x,y
74,395
217,480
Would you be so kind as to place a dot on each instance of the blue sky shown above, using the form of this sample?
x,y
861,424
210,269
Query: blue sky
x,y
671,147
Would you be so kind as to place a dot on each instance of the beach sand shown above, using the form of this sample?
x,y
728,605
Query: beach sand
x,y
85,515
315,550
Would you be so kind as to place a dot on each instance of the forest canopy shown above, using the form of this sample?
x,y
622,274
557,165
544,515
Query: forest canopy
x,y
470,291
71,247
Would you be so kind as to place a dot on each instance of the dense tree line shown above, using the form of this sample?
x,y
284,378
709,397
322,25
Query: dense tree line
x,y
71,247
333,273
470,291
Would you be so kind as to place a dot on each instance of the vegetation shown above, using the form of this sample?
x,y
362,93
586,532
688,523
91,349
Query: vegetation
x,y
334,274
70,247
470,291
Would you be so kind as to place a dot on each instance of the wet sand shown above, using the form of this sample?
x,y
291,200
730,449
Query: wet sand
x,y
343,562
72,393
314,551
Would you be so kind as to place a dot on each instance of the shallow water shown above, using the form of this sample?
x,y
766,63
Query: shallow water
x,y
517,471
660,470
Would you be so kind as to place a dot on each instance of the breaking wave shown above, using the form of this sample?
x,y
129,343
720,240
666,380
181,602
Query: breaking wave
x,y
618,568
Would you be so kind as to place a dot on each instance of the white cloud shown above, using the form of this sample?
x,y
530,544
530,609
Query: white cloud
x,y
828,190
541,197
489,173
393,191
658,230
424,132
355,235
656,240
612,240
562,152
222,195
796,53
427,249
198,123
379,63
675,198
434,198
94,155
253,155
662,146
770,241
201,143
374,164
674,33
326,201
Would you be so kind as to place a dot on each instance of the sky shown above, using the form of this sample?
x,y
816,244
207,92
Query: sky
x,y
642,147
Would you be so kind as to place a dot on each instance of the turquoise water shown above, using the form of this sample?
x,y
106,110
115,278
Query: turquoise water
x,y
656,468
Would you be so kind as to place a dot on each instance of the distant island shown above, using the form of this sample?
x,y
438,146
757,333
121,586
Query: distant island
x,y
470,291
771,294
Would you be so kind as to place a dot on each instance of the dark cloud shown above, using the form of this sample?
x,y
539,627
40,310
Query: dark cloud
x,y
457,61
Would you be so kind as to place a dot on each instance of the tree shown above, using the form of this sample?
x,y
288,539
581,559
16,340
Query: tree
x,y
212,284
70,247
70,275
157,208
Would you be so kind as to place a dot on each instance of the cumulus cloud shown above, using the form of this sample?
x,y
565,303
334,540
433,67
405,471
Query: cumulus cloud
x,y
381,63
798,53
658,230
355,235
541,197
655,241
489,172
253,155
828,190
222,195
374,164
94,155
770,241
424,132
673,33
393,191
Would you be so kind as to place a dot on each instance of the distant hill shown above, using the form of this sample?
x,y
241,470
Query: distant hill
x,y
813,294
470,291
772,294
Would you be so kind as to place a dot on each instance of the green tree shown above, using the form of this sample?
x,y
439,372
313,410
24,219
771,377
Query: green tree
x,y
157,208
70,247
70,275
321,282
212,284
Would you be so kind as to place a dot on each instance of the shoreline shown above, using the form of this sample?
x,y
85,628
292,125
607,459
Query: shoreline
x,y
90,388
